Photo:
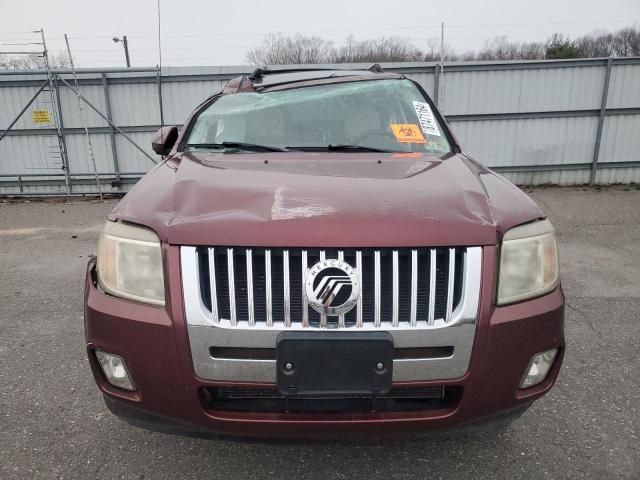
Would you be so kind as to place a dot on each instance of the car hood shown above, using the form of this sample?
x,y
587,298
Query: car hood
x,y
328,199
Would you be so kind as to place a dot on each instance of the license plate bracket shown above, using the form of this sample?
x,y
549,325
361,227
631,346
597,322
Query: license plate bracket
x,y
334,363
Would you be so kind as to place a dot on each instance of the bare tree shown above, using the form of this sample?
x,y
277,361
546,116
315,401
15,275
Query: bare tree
x,y
622,43
33,62
626,42
596,44
500,48
383,49
532,51
433,51
277,49
467,56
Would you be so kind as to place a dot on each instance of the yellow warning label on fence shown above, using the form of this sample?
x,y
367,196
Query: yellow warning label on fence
x,y
41,116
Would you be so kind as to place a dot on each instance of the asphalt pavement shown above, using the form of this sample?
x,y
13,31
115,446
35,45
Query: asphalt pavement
x,y
54,425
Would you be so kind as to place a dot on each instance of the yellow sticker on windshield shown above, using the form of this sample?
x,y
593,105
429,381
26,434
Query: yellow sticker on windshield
x,y
407,133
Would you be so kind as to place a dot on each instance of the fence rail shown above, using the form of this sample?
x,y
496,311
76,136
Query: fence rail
x,y
563,122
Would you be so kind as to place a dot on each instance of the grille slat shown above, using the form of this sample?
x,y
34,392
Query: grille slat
x,y
213,297
450,288
396,291
232,288
359,305
250,311
323,318
399,288
268,292
341,317
286,288
305,304
432,285
414,288
377,289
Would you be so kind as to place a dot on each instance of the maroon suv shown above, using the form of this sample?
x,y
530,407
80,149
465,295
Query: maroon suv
x,y
316,255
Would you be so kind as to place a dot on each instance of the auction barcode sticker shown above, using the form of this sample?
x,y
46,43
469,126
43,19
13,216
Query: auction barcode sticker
x,y
426,119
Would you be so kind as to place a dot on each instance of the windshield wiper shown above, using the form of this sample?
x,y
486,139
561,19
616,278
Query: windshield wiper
x,y
362,148
342,148
239,145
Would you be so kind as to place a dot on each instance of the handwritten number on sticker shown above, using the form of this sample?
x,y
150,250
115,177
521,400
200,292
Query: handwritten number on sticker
x,y
426,119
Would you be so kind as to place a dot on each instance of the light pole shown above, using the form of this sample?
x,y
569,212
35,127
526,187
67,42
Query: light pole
x,y
126,47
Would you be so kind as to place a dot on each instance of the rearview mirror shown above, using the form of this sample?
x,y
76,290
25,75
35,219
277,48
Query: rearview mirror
x,y
164,140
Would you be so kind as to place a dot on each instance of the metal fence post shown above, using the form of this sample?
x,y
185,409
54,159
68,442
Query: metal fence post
x,y
436,83
603,112
112,132
159,81
62,138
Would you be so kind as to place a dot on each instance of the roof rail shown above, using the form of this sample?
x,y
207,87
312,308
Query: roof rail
x,y
260,72
257,73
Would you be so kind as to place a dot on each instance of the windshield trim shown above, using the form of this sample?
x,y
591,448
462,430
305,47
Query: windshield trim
x,y
316,82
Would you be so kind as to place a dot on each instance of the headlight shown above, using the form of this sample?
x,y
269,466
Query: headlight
x,y
130,263
528,262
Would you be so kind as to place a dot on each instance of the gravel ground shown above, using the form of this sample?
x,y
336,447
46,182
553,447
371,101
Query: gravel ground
x,y
53,423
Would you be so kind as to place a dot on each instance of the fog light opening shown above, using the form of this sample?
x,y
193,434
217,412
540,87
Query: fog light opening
x,y
538,368
115,370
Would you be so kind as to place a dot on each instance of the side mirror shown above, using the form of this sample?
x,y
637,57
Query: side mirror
x,y
164,140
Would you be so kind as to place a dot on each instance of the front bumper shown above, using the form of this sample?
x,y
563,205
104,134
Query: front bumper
x,y
155,345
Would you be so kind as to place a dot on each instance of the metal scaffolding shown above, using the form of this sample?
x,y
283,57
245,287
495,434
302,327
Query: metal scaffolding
x,y
51,86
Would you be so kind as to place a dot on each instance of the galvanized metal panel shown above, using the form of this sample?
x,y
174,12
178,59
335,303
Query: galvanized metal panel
x,y
538,141
577,88
624,89
483,88
480,92
33,190
567,177
180,98
71,110
620,139
14,99
29,154
424,79
135,104
131,160
79,157
608,176
530,90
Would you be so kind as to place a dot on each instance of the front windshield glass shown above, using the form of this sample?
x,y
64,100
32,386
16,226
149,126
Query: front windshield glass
x,y
388,115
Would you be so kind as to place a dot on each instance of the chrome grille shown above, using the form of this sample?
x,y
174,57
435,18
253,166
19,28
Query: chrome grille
x,y
263,287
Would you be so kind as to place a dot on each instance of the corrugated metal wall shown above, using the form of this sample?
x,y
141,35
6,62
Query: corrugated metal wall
x,y
535,122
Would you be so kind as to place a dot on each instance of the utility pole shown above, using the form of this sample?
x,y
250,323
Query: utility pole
x,y
441,89
159,66
126,50
125,43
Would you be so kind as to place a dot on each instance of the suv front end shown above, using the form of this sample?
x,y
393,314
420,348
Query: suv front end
x,y
271,299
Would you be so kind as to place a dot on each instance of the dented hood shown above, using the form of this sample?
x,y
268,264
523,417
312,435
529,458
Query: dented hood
x,y
330,200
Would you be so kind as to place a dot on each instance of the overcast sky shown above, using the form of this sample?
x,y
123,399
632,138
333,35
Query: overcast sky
x,y
200,32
